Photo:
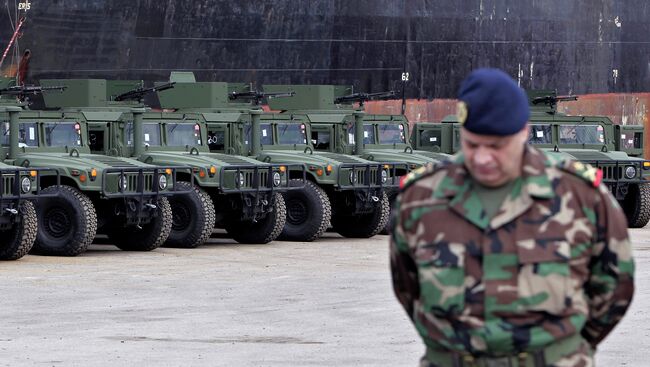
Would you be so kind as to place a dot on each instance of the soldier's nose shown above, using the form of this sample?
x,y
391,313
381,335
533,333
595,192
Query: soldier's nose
x,y
482,158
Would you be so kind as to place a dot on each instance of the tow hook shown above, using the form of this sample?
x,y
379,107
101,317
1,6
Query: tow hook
x,y
12,211
264,202
150,206
375,199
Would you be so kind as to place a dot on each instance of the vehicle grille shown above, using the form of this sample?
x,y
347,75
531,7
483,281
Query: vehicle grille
x,y
8,184
132,182
249,179
612,173
361,177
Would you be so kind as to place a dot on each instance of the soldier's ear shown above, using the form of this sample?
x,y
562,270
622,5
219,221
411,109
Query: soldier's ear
x,y
523,134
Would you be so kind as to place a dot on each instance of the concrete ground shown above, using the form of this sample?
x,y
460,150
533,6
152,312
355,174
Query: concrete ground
x,y
327,303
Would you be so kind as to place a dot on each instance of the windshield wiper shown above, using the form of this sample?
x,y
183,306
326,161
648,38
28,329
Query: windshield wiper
x,y
173,128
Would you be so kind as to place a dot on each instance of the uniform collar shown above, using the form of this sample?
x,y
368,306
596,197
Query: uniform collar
x,y
535,183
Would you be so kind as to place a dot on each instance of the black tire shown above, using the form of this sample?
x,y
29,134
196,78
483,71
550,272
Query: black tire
x,y
363,225
17,241
151,236
636,205
392,196
264,230
308,213
192,217
67,223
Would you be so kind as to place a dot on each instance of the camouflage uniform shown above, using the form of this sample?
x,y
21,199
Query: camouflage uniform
x,y
551,270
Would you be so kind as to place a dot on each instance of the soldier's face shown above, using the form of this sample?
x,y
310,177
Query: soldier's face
x,y
493,160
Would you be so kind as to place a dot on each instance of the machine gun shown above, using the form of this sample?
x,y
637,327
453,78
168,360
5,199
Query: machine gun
x,y
364,97
139,93
552,100
256,96
21,91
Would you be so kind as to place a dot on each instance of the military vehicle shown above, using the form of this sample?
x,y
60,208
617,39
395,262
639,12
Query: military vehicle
x,y
617,150
437,138
123,198
18,185
345,190
239,194
338,126
330,111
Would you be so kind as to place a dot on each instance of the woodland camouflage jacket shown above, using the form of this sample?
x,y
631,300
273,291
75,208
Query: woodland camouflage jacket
x,y
554,261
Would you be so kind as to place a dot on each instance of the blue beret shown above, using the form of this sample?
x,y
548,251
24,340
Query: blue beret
x,y
491,103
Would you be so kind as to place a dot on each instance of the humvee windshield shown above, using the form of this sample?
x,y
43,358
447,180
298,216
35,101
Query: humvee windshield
x,y
28,134
291,133
582,134
540,134
151,134
368,134
60,134
182,134
266,137
391,134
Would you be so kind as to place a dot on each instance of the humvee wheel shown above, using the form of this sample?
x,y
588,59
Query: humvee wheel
x,y
151,236
392,196
308,213
363,225
636,205
17,241
67,222
192,217
264,230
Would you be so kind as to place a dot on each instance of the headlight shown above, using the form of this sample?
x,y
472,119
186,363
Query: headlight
x,y
384,176
162,182
122,182
353,177
630,172
276,179
25,185
242,179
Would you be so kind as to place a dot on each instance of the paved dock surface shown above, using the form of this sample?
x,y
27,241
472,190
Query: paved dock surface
x,y
325,303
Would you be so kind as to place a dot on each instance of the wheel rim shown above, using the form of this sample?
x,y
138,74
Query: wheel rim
x,y
181,216
58,222
296,212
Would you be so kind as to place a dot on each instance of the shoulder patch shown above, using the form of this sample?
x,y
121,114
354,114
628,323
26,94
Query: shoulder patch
x,y
592,175
417,174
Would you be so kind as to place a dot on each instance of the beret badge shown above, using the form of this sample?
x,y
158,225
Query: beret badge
x,y
461,112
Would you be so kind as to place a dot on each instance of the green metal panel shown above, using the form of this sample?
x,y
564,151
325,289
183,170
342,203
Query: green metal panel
x,y
195,95
221,117
101,116
326,118
78,92
182,77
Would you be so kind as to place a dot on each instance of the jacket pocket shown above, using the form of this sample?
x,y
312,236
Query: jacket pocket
x,y
441,273
543,281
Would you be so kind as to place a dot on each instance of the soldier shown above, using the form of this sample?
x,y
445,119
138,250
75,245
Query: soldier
x,y
505,256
